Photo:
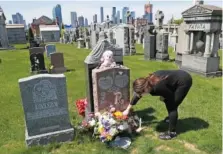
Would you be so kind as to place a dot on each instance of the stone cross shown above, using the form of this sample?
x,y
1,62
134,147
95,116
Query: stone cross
x,y
159,18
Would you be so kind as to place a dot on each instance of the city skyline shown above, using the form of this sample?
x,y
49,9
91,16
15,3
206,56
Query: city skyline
x,y
83,8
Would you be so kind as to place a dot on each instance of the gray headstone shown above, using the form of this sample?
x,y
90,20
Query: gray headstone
x,y
149,47
57,60
50,48
45,105
36,50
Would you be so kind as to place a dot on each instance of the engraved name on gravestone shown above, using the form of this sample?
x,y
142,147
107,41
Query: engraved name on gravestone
x,y
50,48
111,87
45,105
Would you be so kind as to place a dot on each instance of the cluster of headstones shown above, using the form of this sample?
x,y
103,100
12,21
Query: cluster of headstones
x,y
156,40
38,63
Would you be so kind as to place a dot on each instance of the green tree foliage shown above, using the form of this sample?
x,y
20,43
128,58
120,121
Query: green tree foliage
x,y
178,21
30,35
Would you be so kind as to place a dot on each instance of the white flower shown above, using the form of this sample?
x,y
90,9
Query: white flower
x,y
92,122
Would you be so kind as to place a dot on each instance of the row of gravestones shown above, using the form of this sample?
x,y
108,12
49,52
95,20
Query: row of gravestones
x,y
38,62
45,103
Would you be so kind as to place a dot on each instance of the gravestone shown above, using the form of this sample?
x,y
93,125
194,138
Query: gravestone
x,y
162,46
87,43
92,61
80,42
111,87
37,60
57,61
45,106
149,43
132,40
4,42
50,48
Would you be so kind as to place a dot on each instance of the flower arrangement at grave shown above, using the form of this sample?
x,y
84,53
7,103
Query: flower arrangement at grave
x,y
107,124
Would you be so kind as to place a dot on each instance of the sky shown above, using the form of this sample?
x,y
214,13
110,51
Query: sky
x,y
35,9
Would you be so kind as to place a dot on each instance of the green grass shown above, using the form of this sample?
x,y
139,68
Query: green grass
x,y
200,114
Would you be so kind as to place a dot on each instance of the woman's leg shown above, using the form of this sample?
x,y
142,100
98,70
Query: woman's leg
x,y
172,107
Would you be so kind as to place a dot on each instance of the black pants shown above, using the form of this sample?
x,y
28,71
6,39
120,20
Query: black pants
x,y
180,94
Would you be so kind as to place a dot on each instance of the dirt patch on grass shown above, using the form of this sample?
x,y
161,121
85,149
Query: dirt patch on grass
x,y
134,151
191,147
163,148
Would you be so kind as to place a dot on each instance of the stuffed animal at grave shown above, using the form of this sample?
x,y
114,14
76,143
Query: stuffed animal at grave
x,y
107,59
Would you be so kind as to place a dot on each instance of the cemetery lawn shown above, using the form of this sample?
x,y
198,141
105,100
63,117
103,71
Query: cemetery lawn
x,y
199,127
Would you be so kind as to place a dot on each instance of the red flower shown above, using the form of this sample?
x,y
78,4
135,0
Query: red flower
x,y
81,104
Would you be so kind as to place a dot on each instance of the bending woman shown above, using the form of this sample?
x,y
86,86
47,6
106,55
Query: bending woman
x,y
172,86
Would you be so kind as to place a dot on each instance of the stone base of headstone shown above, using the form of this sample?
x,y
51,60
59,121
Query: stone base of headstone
x,y
59,70
205,66
44,139
162,56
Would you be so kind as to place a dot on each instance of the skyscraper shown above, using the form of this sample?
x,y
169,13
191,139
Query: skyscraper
x,y
114,15
118,17
17,18
85,22
133,14
102,14
57,14
10,21
73,19
81,21
124,13
148,12
95,18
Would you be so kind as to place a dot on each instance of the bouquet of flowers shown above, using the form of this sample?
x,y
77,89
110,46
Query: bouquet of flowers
x,y
81,105
108,124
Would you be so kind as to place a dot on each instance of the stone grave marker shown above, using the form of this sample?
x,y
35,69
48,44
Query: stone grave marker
x,y
50,48
45,105
80,42
37,60
57,61
111,87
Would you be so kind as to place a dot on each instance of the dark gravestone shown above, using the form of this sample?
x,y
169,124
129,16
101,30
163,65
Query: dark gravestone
x,y
37,60
149,47
57,61
111,87
45,105
92,61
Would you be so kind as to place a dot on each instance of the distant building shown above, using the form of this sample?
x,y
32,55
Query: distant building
x,y
114,15
18,19
140,22
43,20
57,15
118,17
148,12
49,33
73,19
102,14
85,22
124,14
133,14
10,21
16,33
81,21
95,18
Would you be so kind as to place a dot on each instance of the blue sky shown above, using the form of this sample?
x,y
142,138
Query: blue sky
x,y
31,9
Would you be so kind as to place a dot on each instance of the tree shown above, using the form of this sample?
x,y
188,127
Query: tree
x,y
62,27
30,35
178,21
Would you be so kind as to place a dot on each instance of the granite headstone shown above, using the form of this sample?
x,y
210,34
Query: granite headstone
x,y
57,61
45,105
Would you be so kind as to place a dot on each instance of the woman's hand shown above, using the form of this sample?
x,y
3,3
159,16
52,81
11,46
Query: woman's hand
x,y
126,112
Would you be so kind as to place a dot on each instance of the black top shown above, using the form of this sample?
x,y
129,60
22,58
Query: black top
x,y
167,87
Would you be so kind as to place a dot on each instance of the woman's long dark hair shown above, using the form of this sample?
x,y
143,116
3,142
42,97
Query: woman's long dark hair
x,y
142,85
